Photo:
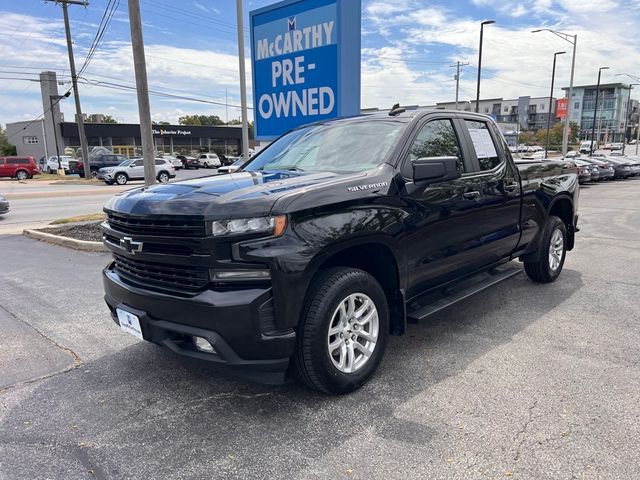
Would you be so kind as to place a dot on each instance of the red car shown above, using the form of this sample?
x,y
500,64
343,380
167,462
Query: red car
x,y
18,167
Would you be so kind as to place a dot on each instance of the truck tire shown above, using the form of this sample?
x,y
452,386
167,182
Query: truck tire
x,y
22,175
553,250
343,332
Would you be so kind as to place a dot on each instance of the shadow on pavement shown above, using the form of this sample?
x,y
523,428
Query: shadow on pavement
x,y
146,413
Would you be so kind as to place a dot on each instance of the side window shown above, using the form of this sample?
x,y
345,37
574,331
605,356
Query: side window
x,y
436,139
160,162
138,163
483,144
24,161
120,158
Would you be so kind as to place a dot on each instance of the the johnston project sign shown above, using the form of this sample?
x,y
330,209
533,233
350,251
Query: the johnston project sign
x,y
305,63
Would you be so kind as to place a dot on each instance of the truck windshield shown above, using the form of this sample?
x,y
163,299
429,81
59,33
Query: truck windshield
x,y
335,147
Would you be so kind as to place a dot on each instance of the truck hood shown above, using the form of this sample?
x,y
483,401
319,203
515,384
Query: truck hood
x,y
243,194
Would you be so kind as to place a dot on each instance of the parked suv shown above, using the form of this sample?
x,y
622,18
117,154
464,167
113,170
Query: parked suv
x,y
52,163
134,170
18,167
208,160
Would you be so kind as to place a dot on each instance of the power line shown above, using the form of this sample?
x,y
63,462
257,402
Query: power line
x,y
102,28
53,104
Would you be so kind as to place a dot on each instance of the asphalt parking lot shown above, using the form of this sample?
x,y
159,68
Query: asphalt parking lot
x,y
522,381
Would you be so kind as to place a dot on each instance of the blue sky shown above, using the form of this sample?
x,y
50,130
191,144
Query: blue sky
x,y
408,46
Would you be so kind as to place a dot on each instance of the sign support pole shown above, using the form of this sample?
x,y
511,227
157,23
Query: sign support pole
x,y
243,81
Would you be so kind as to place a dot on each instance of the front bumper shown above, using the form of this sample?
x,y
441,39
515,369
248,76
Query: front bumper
x,y
4,207
231,320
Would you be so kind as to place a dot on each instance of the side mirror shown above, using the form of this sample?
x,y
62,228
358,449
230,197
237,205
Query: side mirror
x,y
436,169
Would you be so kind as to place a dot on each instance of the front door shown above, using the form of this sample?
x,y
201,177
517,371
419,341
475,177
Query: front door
x,y
136,170
444,229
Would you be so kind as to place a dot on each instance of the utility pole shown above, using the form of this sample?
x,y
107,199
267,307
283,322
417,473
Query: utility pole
x,y
486,22
243,81
549,113
74,82
457,77
142,89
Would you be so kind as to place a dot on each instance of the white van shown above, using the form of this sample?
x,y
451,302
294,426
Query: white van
x,y
585,147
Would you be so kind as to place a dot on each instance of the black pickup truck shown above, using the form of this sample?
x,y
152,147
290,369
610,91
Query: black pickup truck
x,y
331,239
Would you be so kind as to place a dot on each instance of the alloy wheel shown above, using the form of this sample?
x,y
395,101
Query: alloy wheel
x,y
556,249
353,333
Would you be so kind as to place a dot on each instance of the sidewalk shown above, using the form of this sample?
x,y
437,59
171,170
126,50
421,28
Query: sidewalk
x,y
14,189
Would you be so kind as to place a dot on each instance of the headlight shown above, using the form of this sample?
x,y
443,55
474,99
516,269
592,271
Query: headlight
x,y
2,198
273,225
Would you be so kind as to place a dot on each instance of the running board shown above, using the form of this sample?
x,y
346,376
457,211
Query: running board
x,y
439,300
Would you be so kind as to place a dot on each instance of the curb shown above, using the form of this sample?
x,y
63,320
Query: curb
x,y
81,245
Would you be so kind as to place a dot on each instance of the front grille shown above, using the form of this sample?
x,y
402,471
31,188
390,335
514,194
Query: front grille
x,y
162,276
161,248
178,226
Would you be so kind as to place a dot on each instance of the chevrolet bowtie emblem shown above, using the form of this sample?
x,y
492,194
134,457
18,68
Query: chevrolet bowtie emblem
x,y
130,245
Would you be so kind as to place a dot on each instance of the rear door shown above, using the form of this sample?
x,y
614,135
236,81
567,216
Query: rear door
x,y
497,180
444,231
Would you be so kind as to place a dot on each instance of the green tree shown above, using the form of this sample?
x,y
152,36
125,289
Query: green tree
x,y
109,119
200,120
5,147
237,121
527,137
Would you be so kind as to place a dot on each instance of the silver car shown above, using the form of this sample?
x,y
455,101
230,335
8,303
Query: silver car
x,y
134,170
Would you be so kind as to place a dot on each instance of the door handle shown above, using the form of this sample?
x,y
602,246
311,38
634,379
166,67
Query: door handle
x,y
511,187
471,195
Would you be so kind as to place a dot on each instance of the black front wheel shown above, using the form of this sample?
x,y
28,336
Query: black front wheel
x,y
553,250
343,332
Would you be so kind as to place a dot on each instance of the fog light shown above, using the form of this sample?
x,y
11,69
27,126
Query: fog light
x,y
231,275
203,345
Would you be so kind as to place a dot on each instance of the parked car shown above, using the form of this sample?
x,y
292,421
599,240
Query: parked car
x,y
175,161
134,170
97,162
208,160
622,168
572,154
533,156
584,170
188,162
226,160
606,146
52,163
616,146
4,204
605,169
18,167
234,167
334,237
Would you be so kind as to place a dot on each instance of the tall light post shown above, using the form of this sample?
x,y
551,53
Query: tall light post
x,y
553,77
626,113
573,40
595,111
486,22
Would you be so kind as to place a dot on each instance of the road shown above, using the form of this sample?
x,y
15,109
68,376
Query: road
x,y
34,203
523,381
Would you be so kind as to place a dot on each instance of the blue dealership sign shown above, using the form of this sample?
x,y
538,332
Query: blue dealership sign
x,y
305,62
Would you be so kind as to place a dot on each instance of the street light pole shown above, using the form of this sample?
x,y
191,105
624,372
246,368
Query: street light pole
x,y
486,22
573,40
243,80
595,111
553,77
